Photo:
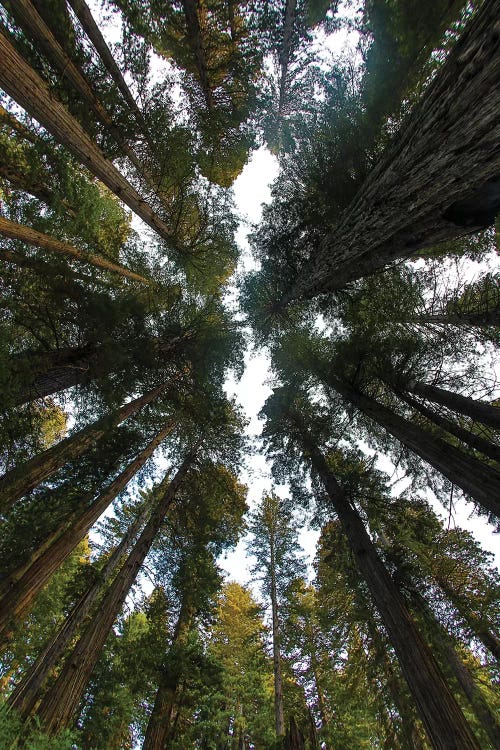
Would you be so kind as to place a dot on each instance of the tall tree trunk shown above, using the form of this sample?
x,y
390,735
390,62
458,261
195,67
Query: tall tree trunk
x,y
474,477
93,32
284,56
480,411
160,720
58,706
458,669
438,180
480,319
26,695
26,87
20,480
486,447
28,18
441,716
46,242
279,718
195,41
19,589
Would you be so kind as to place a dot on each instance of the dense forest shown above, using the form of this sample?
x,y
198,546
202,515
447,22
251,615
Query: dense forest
x,y
124,310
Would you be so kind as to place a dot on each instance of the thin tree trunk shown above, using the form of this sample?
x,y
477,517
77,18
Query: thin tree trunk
x,y
46,242
477,319
22,479
195,41
28,18
26,87
26,695
438,179
160,720
58,706
474,477
19,589
279,718
284,56
486,447
480,411
458,669
441,716
93,32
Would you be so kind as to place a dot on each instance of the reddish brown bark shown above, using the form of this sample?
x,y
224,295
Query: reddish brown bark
x,y
19,589
58,706
441,715
20,480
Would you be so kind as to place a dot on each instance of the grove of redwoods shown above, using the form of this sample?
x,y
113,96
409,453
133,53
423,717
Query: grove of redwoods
x,y
376,297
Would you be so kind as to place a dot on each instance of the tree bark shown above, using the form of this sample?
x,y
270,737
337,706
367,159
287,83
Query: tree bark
x,y
46,242
195,41
93,32
26,87
160,720
27,694
444,722
479,411
477,319
284,56
438,180
486,447
19,589
22,479
474,477
458,669
58,706
279,717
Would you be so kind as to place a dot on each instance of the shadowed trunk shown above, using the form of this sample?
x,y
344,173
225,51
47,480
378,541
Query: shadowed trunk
x,y
486,447
21,479
279,718
195,41
438,180
160,721
474,477
441,715
284,56
26,695
19,588
480,411
57,708
26,87
46,242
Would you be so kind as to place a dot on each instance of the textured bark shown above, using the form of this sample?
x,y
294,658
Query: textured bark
x,y
438,180
443,720
26,87
486,447
20,480
19,589
159,729
60,703
46,242
460,672
195,41
284,56
26,695
474,477
480,411
294,739
279,717
93,32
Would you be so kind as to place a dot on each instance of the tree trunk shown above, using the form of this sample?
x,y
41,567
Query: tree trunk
x,y
441,716
486,447
460,672
474,477
46,242
284,56
26,695
22,479
477,319
26,87
279,718
160,720
84,15
195,41
479,411
19,589
58,706
438,180
294,739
